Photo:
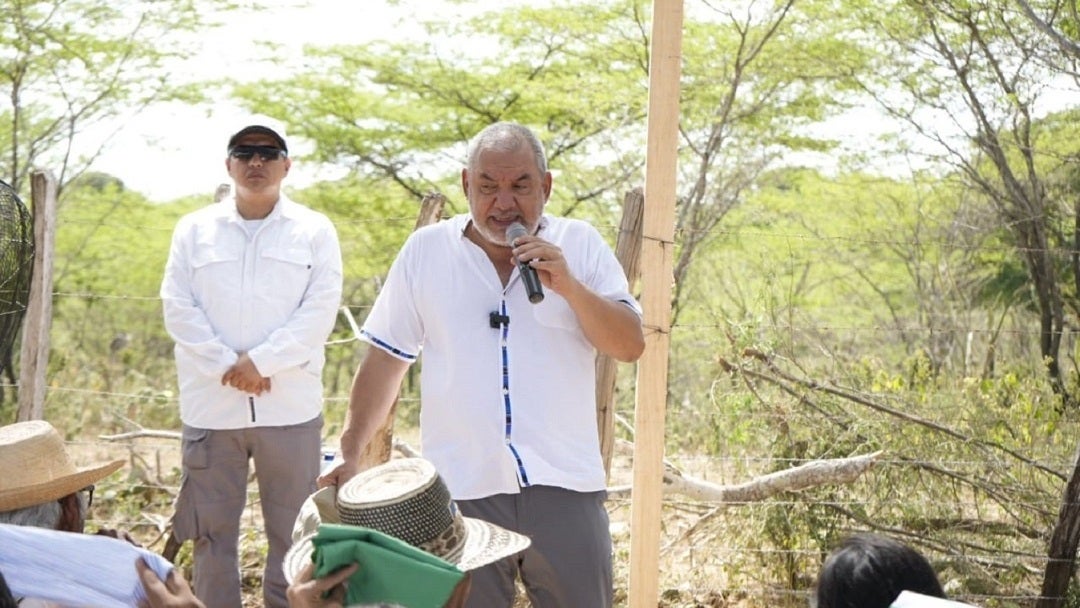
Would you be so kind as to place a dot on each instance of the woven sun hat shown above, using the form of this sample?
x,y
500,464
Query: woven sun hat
x,y
406,499
37,468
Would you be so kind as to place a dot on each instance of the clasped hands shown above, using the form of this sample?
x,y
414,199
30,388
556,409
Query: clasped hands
x,y
244,376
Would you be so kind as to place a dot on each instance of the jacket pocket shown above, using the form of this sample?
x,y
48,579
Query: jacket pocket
x,y
216,272
293,256
207,257
285,272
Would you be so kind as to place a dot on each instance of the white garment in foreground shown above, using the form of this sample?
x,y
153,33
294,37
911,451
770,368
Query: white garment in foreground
x,y
74,569
907,599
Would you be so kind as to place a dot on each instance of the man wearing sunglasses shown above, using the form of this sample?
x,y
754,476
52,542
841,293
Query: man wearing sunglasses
x,y
250,293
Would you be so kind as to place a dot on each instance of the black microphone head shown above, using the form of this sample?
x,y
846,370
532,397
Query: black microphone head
x,y
515,231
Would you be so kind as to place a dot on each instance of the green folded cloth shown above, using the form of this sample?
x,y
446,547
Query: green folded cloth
x,y
391,570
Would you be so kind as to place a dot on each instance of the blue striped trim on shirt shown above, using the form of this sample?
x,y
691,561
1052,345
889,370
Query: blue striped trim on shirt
x,y
387,347
508,409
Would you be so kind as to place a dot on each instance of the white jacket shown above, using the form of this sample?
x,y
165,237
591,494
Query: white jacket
x,y
274,295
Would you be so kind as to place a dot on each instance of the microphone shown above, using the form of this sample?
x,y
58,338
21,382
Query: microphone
x,y
495,320
528,273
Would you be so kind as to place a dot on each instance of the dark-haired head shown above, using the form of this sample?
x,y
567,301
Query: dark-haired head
x,y
870,571
7,600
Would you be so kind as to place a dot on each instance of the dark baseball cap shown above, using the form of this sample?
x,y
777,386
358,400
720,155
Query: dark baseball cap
x,y
259,129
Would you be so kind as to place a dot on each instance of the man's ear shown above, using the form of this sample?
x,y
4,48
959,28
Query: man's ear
x,y
465,182
72,518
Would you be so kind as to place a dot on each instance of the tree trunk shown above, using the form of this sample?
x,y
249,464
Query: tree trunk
x,y
1063,543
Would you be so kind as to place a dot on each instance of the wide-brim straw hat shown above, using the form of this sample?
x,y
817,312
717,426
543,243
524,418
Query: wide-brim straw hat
x,y
407,499
35,467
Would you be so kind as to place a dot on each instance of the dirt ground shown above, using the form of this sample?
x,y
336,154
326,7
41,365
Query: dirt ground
x,y
138,499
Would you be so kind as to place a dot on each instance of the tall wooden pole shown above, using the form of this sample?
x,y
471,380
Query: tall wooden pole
x,y
34,353
665,70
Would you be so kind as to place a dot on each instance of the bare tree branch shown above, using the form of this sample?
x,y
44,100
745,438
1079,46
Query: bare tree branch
x,y
1067,45
809,475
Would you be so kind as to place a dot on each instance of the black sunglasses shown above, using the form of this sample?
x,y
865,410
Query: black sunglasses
x,y
266,153
89,495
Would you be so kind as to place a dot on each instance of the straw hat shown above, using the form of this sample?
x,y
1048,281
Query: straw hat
x,y
407,499
37,468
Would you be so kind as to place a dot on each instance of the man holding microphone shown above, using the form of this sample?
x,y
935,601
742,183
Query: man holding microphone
x,y
508,409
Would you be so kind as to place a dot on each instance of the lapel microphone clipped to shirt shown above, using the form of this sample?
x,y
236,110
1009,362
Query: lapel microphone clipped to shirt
x,y
529,278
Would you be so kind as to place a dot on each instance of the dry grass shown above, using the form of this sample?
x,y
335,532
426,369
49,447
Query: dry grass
x,y
694,568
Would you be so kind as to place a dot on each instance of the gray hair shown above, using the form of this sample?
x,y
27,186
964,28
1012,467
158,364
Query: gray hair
x,y
506,137
44,515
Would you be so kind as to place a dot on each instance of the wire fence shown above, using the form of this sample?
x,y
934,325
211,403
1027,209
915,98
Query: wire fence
x,y
974,489
706,556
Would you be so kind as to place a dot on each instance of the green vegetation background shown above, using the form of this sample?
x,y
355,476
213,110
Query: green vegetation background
x,y
819,311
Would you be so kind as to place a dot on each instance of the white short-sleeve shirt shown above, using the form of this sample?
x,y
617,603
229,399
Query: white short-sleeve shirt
x,y
508,406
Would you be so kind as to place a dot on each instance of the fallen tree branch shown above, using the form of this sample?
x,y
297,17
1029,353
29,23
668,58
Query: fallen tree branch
x,y
808,475
780,377
141,432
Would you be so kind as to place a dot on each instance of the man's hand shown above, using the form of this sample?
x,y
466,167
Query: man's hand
x,y
338,475
547,258
173,592
306,592
244,376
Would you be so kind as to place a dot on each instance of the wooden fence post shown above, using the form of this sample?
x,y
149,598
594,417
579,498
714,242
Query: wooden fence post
x,y
34,353
657,252
378,449
628,250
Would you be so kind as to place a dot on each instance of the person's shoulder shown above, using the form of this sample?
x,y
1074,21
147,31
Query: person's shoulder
x,y
292,208
451,226
211,210
554,222
204,215
303,214
419,245
569,229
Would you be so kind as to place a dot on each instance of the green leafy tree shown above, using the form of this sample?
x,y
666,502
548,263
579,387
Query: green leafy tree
x,y
1060,21
966,78
404,110
67,65
107,334
578,73
754,84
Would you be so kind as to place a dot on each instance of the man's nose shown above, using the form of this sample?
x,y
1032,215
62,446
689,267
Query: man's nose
x,y
505,199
